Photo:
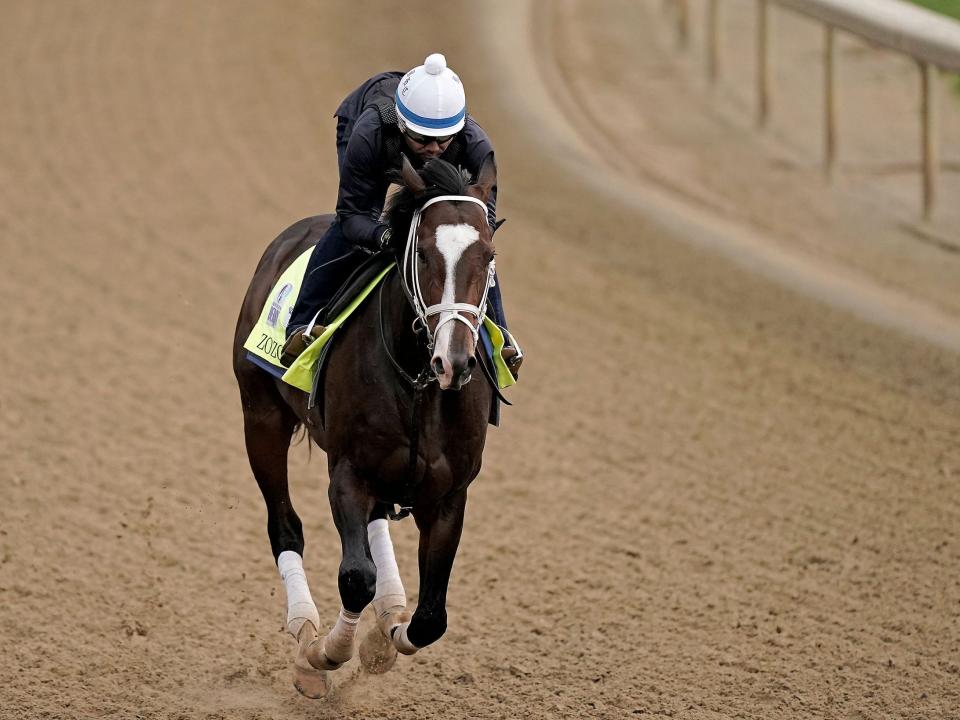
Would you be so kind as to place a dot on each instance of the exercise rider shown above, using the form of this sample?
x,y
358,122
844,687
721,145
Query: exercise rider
x,y
421,114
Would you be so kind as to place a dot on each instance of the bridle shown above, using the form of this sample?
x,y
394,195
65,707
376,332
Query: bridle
x,y
410,279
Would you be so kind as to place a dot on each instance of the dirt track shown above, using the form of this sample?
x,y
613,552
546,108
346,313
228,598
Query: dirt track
x,y
715,497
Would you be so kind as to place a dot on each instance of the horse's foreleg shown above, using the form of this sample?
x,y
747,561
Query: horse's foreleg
x,y
390,597
377,651
439,539
351,504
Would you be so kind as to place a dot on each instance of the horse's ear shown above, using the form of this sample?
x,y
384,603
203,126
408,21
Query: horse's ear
x,y
487,177
411,178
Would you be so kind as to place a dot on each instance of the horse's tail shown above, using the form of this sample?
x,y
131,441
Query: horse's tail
x,y
299,434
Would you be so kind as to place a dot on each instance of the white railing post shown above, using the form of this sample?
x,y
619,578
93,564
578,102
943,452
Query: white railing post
x,y
713,40
683,23
763,67
930,125
829,103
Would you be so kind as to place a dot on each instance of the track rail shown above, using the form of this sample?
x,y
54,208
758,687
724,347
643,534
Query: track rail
x,y
933,40
923,34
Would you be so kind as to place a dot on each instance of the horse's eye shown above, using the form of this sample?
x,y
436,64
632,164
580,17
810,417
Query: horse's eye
x,y
421,256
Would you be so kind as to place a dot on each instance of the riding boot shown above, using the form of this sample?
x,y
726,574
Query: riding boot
x,y
298,342
513,358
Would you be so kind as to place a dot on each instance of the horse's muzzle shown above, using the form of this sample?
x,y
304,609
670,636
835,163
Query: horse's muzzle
x,y
454,372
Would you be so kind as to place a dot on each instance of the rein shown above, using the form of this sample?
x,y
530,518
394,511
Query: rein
x,y
410,281
419,385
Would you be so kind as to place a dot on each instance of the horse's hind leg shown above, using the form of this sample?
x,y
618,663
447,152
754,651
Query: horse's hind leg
x,y
268,427
377,651
351,504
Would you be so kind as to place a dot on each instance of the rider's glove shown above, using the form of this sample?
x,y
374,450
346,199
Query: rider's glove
x,y
385,238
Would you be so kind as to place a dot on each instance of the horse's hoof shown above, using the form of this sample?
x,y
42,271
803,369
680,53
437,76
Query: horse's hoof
x,y
318,658
311,683
377,652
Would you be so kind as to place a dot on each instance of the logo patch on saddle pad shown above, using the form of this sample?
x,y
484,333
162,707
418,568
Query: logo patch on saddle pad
x,y
265,341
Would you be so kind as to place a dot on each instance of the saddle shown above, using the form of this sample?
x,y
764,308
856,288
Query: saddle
x,y
354,284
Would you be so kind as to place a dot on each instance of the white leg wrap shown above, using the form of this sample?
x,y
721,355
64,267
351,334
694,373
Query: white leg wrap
x,y
390,592
338,644
300,606
400,640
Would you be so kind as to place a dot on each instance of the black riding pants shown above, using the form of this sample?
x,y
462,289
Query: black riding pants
x,y
329,267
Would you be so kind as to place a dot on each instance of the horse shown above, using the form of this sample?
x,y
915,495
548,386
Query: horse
x,y
401,424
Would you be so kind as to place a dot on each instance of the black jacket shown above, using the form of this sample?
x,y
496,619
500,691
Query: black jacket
x,y
373,157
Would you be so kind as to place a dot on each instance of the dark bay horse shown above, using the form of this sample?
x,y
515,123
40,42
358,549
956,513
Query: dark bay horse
x,y
401,422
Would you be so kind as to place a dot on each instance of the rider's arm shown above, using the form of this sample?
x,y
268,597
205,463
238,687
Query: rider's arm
x,y
478,146
363,184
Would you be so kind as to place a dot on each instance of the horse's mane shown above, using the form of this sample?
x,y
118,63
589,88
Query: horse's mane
x,y
441,178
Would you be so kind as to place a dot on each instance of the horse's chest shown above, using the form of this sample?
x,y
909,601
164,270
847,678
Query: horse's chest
x,y
387,465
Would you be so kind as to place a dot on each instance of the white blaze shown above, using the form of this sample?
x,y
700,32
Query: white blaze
x,y
452,242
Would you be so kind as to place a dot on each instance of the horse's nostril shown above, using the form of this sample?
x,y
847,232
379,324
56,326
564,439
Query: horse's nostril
x,y
472,362
438,366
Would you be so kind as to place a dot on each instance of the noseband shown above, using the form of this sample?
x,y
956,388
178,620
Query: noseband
x,y
411,280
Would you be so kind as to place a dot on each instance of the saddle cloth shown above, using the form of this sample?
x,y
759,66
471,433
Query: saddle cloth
x,y
265,341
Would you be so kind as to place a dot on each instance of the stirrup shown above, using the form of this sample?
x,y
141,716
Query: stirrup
x,y
298,342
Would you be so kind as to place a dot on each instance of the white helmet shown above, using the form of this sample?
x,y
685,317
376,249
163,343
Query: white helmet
x,y
430,99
